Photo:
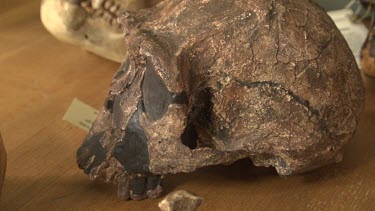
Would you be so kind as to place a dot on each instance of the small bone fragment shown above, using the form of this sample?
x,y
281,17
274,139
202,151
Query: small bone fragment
x,y
180,201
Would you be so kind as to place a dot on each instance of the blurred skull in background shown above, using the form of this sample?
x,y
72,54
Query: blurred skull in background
x,y
91,24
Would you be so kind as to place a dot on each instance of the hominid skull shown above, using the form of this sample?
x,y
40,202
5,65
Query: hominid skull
x,y
208,82
91,24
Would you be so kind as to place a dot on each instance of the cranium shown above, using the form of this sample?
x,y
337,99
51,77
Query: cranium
x,y
209,82
91,24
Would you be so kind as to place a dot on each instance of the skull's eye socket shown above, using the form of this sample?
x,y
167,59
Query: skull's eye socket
x,y
156,97
189,137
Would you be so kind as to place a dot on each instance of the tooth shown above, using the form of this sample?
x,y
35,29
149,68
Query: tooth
x,y
138,188
114,8
86,4
113,21
123,188
90,10
96,4
154,188
119,12
99,13
108,4
107,16
152,182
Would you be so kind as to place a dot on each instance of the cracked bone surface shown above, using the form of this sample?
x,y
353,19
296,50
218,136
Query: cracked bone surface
x,y
209,82
180,201
91,24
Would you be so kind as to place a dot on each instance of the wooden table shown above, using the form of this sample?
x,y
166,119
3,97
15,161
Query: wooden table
x,y
39,79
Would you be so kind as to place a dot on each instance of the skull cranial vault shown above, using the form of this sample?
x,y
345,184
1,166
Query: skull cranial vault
x,y
91,24
208,82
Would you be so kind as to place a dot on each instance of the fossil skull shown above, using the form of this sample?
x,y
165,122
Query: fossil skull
x,y
209,82
91,24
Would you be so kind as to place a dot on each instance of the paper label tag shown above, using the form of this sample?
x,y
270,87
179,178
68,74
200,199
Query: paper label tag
x,y
81,115
354,33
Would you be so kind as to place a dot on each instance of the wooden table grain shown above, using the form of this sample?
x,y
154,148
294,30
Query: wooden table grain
x,y
40,76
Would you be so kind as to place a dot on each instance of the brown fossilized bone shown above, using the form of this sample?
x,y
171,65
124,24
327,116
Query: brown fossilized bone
x,y
91,24
180,200
208,82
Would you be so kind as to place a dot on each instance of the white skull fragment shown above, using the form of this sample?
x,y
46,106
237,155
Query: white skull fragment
x,y
91,24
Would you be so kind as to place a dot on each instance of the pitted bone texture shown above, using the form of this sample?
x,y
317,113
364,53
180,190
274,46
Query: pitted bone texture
x,y
180,200
273,80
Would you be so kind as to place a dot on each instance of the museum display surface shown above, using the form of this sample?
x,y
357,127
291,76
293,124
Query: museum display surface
x,y
219,105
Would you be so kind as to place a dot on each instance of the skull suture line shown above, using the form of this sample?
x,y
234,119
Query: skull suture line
x,y
208,82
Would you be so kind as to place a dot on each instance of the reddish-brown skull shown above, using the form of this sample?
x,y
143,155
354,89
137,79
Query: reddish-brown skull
x,y
208,82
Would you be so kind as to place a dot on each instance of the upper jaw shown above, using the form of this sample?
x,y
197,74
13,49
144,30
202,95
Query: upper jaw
x,y
91,24
63,19
79,23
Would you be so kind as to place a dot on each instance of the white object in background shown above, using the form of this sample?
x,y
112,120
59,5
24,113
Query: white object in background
x,y
354,33
81,115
